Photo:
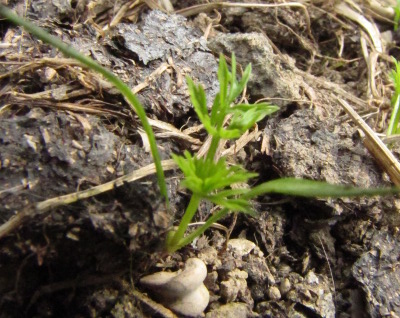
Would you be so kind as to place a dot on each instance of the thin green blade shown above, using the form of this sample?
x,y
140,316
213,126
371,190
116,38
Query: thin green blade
x,y
310,188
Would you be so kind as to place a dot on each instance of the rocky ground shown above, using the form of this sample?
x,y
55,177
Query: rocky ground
x,y
82,218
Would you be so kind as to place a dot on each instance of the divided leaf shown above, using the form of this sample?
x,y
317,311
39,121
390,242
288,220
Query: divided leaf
x,y
233,204
246,115
205,178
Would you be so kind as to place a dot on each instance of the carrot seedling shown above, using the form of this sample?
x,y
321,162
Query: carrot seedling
x,y
207,178
212,180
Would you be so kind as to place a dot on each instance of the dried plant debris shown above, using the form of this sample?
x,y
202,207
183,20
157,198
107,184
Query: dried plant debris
x,y
166,94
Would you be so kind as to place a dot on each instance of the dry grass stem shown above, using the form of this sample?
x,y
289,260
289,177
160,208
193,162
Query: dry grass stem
x,y
156,73
317,82
376,147
371,60
372,30
45,206
74,197
242,142
46,61
214,225
169,130
382,11
193,129
119,16
91,107
62,92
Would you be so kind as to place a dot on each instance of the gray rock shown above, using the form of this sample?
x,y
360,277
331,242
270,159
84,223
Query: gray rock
x,y
181,291
241,247
274,293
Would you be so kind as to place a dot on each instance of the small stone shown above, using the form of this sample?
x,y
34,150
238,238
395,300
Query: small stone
x,y
270,278
274,293
48,75
211,282
209,256
235,286
285,286
311,278
110,169
284,270
237,310
31,141
292,295
306,294
241,247
238,274
5,163
181,291
258,252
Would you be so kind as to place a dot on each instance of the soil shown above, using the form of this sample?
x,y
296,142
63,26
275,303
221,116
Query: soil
x,y
65,130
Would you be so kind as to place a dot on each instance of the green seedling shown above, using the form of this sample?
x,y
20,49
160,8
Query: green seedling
x,y
395,117
210,178
213,179
207,178
118,83
396,15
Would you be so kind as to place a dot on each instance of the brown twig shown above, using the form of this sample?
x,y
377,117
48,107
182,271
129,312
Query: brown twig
x,y
376,147
44,206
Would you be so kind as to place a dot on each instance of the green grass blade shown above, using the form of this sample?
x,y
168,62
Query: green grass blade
x,y
233,69
394,119
223,78
396,15
121,86
310,188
